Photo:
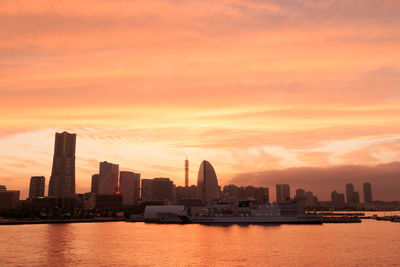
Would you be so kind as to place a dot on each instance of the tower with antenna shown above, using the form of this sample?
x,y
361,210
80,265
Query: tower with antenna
x,y
186,172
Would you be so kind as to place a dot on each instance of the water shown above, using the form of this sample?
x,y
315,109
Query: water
x,y
139,244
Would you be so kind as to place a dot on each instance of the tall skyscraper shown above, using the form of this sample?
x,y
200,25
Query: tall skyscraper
x,y
108,178
350,193
356,198
129,186
62,180
186,172
207,182
36,186
367,193
282,193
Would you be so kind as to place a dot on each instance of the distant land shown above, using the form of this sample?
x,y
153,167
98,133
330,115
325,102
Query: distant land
x,y
385,179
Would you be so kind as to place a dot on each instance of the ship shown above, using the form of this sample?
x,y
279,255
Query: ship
x,y
224,213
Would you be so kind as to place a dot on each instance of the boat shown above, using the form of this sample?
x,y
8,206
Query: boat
x,y
263,214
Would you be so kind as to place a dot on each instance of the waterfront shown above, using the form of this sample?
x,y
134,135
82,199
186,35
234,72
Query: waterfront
x,y
139,244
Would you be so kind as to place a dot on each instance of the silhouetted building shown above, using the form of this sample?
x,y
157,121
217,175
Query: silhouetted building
x,y
367,192
3,188
207,183
62,180
300,194
108,178
309,199
129,186
183,192
356,198
337,200
147,189
36,186
108,201
163,189
9,199
95,183
350,193
282,193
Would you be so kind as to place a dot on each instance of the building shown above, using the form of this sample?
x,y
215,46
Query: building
x,y
62,179
350,193
300,194
36,186
108,178
95,183
163,189
309,199
129,186
9,198
367,193
183,192
147,192
207,183
356,198
3,188
282,193
337,200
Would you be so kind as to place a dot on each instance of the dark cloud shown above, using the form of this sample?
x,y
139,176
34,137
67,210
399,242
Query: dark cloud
x,y
385,179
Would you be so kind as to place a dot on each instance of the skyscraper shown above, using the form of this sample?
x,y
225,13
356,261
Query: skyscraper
x,y
207,183
163,189
350,193
367,193
36,186
282,193
186,172
108,178
62,180
129,183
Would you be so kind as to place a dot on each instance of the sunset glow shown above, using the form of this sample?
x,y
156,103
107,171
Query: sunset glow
x,y
247,85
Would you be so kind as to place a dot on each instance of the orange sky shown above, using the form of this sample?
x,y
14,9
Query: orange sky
x,y
248,85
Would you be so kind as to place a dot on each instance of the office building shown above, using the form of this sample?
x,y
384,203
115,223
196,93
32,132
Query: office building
x,y
356,198
108,178
95,183
62,180
163,189
207,183
147,192
309,199
282,193
337,200
350,193
9,198
36,187
129,186
367,193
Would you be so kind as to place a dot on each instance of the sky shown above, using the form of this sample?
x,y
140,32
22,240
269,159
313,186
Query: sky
x,y
249,85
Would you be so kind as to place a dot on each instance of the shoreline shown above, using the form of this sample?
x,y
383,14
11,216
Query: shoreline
x,y
59,221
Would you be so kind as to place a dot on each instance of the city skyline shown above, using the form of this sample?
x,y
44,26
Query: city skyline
x,y
251,86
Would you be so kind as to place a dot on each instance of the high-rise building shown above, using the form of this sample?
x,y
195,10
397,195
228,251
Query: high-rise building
x,y
163,189
62,180
95,183
309,199
36,187
186,172
350,193
8,198
282,193
356,198
367,193
147,189
207,183
129,186
300,194
337,200
108,178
